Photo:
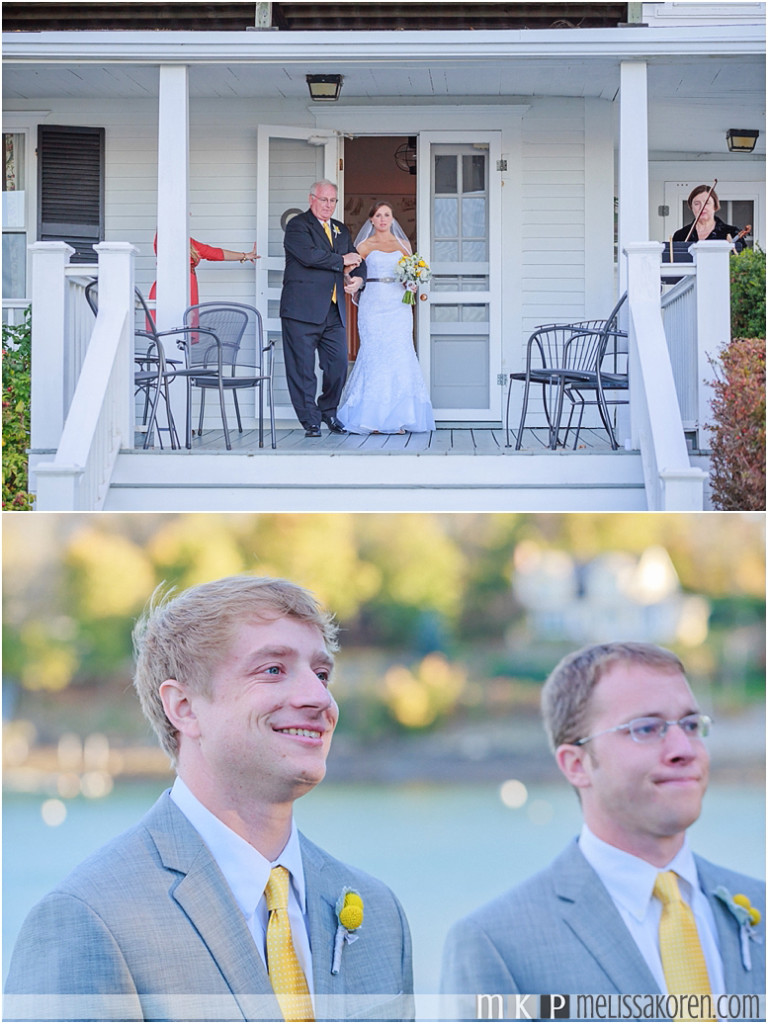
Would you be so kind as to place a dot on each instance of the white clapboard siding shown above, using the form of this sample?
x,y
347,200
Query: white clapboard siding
x,y
552,226
544,259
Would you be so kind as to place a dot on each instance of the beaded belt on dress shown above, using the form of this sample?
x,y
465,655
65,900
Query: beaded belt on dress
x,y
384,280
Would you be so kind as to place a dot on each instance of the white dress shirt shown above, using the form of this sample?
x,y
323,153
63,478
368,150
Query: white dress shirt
x,y
630,881
246,872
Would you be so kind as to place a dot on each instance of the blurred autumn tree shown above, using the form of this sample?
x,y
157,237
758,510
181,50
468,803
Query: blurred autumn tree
x,y
409,583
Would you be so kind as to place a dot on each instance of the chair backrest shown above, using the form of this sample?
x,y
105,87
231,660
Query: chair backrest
x,y
238,331
149,316
92,295
140,304
613,353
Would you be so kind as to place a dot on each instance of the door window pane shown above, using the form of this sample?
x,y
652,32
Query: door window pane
x,y
473,173
446,251
473,218
14,217
460,283
446,173
14,265
446,218
475,252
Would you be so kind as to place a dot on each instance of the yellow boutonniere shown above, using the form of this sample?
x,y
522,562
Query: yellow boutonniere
x,y
349,911
748,918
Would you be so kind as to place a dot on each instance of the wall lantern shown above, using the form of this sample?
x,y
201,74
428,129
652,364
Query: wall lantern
x,y
741,140
405,155
324,88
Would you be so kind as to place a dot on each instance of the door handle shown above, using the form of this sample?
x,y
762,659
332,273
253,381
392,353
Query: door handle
x,y
423,297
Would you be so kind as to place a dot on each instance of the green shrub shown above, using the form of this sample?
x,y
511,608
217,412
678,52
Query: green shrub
x,y
748,294
738,431
17,353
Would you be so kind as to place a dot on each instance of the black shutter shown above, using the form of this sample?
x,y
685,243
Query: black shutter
x,y
71,188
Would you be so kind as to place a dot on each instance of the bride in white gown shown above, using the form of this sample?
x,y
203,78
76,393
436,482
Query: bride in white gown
x,y
385,392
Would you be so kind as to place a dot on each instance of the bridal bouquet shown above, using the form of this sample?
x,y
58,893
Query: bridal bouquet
x,y
412,271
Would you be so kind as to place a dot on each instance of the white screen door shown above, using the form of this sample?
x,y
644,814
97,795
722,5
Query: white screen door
x,y
459,314
289,161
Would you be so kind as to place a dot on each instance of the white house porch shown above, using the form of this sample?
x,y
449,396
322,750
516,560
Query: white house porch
x,y
83,453
554,124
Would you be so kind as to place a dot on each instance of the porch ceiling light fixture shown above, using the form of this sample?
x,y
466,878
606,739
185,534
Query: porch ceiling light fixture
x,y
741,140
324,88
405,155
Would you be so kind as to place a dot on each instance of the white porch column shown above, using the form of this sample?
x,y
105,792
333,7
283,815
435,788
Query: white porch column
x,y
713,321
48,296
173,213
633,160
173,196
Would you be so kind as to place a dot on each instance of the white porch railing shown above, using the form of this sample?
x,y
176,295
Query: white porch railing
x,y
88,379
697,324
14,311
82,408
659,370
678,311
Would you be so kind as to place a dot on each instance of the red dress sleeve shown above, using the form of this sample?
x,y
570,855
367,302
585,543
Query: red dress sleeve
x,y
208,252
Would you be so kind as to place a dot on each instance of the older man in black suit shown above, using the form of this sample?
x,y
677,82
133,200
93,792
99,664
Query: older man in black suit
x,y
320,265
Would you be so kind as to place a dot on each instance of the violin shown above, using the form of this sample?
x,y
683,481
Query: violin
x,y
743,233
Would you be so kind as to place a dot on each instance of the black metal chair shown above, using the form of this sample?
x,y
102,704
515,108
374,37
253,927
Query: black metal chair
x,y
154,373
214,333
559,356
610,374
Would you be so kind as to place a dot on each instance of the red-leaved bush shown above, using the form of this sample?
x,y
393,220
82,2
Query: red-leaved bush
x,y
738,431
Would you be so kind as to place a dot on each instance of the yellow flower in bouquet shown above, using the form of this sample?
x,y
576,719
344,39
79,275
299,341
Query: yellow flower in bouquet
x,y
413,271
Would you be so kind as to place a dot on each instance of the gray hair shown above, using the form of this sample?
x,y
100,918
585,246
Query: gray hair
x,y
186,636
324,182
566,695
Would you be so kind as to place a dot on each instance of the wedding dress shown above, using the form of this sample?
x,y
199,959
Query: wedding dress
x,y
385,391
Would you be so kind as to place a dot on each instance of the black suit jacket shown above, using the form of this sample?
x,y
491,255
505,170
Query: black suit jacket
x,y
312,267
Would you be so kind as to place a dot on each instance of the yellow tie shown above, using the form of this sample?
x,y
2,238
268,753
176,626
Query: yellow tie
x,y
327,227
285,973
685,968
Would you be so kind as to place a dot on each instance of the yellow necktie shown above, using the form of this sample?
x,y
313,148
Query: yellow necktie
x,y
285,973
327,227
685,968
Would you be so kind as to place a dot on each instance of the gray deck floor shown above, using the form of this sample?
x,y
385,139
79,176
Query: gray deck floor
x,y
443,441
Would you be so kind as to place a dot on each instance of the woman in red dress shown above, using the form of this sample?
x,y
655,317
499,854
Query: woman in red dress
x,y
199,251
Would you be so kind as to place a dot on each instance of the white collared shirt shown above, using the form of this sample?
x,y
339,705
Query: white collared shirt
x,y
630,881
246,872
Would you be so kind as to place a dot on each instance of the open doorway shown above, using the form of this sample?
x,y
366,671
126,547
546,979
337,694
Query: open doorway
x,y
378,169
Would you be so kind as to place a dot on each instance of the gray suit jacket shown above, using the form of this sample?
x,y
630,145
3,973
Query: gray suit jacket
x,y
560,932
147,929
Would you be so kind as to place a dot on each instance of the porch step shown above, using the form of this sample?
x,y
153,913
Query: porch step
x,y
332,482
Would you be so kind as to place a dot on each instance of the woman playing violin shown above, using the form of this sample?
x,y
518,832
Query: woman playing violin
x,y
704,204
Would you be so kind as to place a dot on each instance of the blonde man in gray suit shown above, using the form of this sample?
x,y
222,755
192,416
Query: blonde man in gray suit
x,y
170,921
628,735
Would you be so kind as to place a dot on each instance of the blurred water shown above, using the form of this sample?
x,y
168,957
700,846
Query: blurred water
x,y
443,849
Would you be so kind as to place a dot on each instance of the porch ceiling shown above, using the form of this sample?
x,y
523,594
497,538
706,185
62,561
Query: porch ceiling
x,y
693,98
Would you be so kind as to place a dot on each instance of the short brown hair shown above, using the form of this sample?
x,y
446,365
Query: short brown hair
x,y
567,692
698,190
185,636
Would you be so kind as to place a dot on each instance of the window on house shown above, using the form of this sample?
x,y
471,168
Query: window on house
x,y
71,188
14,216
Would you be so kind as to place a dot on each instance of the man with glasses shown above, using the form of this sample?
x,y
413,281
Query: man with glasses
x,y
606,916
320,266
